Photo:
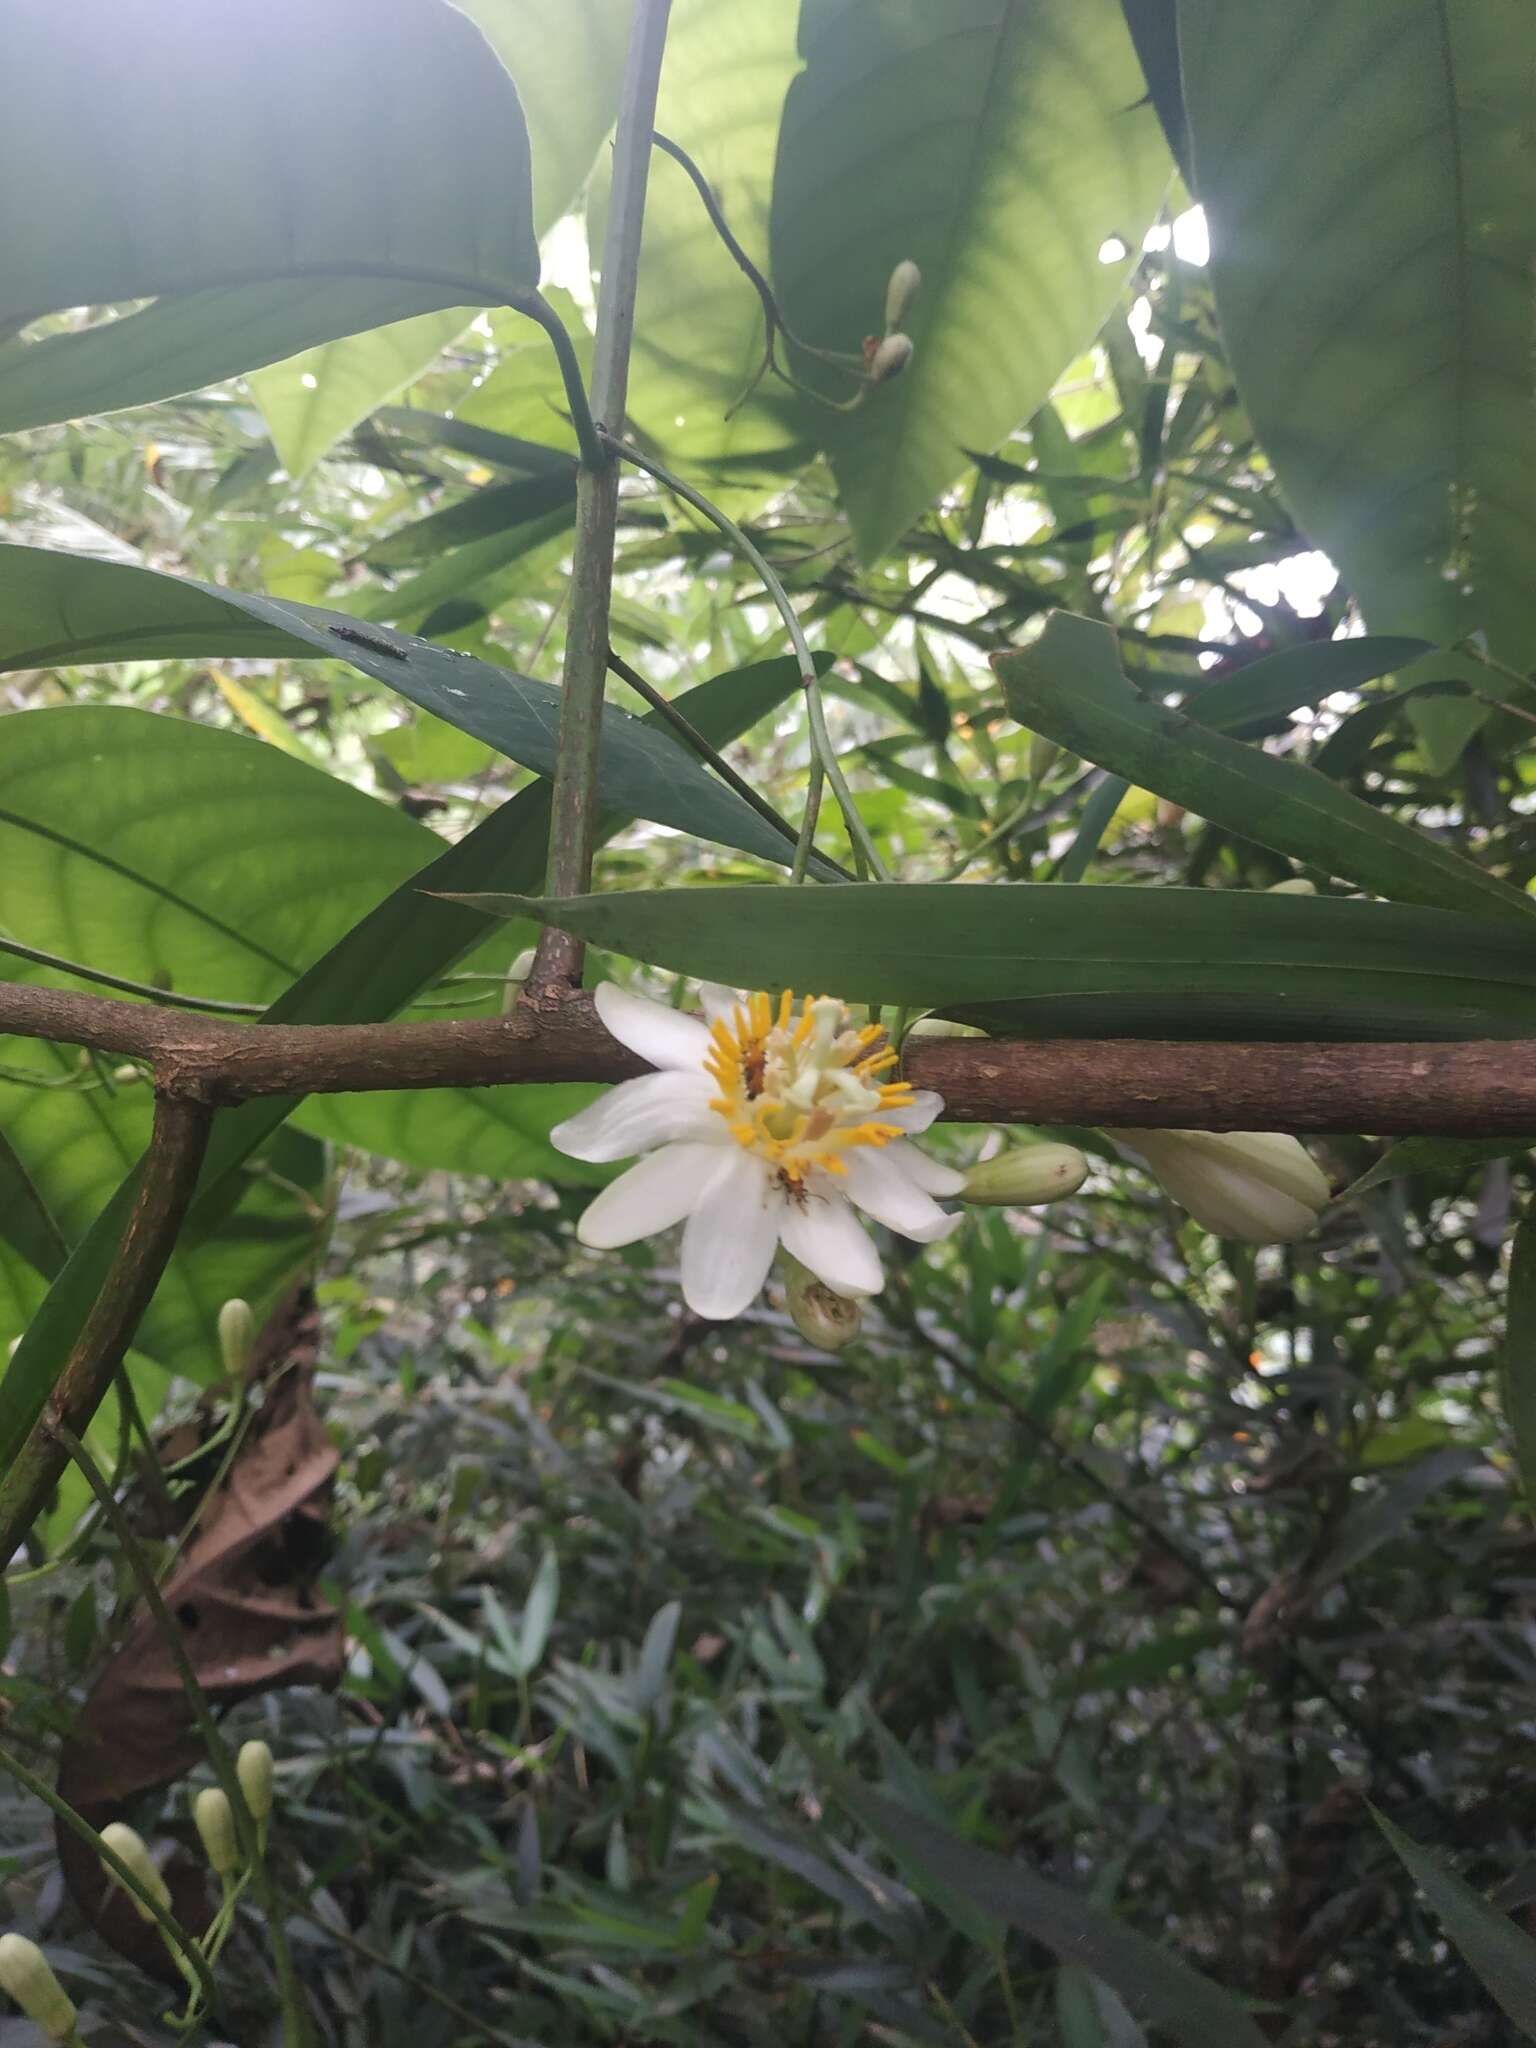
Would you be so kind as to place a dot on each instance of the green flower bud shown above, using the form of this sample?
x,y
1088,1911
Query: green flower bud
x,y
823,1318
27,1975
906,282
1298,885
253,1767
890,358
1043,756
129,1846
1025,1174
215,1819
1259,1186
237,1334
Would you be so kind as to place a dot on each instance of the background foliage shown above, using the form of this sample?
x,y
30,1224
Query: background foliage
x,y
1023,1672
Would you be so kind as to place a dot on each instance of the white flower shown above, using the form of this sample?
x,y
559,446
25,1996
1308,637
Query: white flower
x,y
764,1126
1260,1186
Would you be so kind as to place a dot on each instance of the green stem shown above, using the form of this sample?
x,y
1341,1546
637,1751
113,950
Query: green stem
x,y
808,821
538,308
573,801
297,2032
821,741
183,1948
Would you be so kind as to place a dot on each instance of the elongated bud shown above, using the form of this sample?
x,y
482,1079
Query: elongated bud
x,y
237,1334
1043,756
216,1825
906,282
890,358
1025,1174
522,966
27,1974
943,1027
253,1767
1260,1186
823,1318
1298,885
129,1846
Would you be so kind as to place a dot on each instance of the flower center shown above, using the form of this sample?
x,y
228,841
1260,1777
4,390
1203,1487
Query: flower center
x,y
801,1088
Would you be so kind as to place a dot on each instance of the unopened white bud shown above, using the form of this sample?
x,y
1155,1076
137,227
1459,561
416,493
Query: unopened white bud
x,y
522,966
906,282
890,358
237,1334
215,1820
1298,885
129,1847
1024,1174
1259,1186
823,1318
253,1767
943,1027
27,1974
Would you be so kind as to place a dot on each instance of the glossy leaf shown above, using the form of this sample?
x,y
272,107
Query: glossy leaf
x,y
1096,961
1070,685
999,144
1517,1360
62,609
1497,1952
370,162
1372,204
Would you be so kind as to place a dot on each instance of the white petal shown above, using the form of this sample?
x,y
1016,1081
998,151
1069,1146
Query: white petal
x,y
824,1234
918,1114
718,1002
667,1038
636,1115
931,1176
655,1193
882,1189
731,1237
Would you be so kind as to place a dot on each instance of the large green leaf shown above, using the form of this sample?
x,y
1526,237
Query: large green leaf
x,y
57,609
404,943
274,174
1070,685
1498,1953
1372,197
1097,961
999,144
1293,676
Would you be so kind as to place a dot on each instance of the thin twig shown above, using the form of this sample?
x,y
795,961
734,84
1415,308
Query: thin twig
x,y
821,740
165,996
573,800
167,1179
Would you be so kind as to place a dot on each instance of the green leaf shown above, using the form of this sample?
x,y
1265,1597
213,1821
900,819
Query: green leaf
x,y
311,400
366,162
1499,1955
1447,1159
539,1611
1070,685
1095,961
60,609
403,944
1517,1360
997,143
1194,2011
1277,683
1385,1514
1372,203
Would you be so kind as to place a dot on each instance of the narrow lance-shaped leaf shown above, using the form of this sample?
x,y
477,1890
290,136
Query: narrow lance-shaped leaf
x,y
1071,686
1097,961
1494,1949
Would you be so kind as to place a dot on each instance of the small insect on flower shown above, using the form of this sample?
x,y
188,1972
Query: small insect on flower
x,y
769,1123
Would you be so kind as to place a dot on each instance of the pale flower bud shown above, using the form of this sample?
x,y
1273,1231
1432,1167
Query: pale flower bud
x,y
906,282
1260,1186
1298,885
215,1820
27,1975
943,1027
253,1767
237,1334
130,1848
890,358
522,966
1024,1174
823,1318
